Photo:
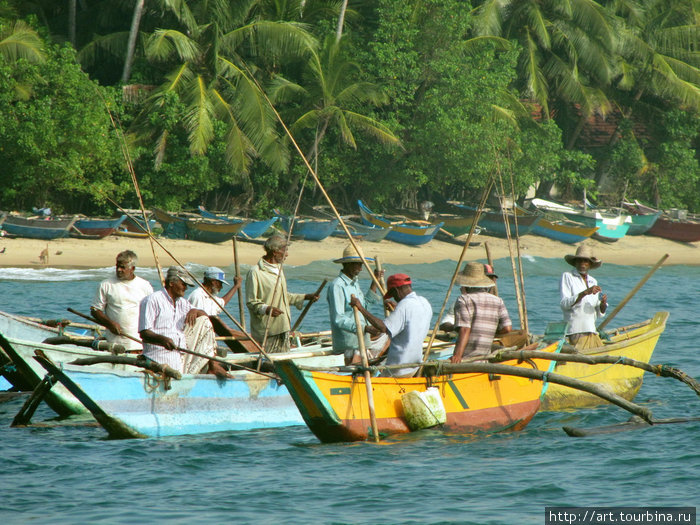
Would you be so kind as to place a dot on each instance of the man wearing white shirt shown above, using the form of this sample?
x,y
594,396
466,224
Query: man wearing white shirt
x,y
407,325
581,301
165,317
116,303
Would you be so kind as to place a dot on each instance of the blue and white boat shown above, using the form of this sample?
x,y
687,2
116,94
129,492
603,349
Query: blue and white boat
x,y
252,230
402,231
33,228
309,229
611,228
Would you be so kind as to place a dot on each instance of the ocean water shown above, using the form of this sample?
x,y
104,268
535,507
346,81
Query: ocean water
x,y
71,474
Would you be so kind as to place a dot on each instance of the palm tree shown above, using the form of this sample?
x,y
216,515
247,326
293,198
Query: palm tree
x,y
214,59
131,44
332,95
566,48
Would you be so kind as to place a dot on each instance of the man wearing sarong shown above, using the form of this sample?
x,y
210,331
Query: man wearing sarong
x,y
167,322
581,301
116,303
269,301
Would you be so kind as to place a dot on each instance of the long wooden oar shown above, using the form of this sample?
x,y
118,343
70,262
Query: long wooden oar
x,y
631,294
241,311
490,263
183,350
368,377
308,305
378,268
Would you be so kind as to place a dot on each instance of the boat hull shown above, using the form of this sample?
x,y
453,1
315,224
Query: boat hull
x,y
98,227
569,234
309,229
403,233
624,381
212,232
46,229
335,407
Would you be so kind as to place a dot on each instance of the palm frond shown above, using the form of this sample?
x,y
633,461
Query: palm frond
x,y
19,40
198,118
164,43
372,127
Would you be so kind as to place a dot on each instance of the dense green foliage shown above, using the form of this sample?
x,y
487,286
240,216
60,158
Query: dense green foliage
x,y
422,99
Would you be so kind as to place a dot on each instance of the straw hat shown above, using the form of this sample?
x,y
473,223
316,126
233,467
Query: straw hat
x,y
350,255
473,276
583,252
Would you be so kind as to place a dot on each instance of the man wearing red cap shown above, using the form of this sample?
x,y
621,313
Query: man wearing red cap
x,y
407,325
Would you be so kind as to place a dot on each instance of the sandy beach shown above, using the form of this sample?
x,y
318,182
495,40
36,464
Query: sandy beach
x,y
76,253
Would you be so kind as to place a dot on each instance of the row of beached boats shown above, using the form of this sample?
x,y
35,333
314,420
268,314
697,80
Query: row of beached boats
x,y
561,222
310,385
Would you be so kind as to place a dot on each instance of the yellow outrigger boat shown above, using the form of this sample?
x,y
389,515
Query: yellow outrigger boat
x,y
635,342
335,406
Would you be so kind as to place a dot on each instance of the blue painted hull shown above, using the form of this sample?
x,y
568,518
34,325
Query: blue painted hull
x,y
404,233
129,406
37,228
309,229
252,230
99,227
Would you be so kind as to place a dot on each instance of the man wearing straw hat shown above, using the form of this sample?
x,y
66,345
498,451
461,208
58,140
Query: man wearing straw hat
x,y
407,325
581,301
479,315
448,320
268,300
340,291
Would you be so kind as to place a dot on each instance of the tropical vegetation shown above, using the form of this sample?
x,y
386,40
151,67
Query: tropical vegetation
x,y
214,102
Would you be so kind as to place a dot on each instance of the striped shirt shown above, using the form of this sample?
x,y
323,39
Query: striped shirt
x,y
160,315
484,314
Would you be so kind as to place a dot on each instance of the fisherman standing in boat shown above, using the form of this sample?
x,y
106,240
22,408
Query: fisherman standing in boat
x,y
167,322
116,303
267,298
479,315
340,291
448,320
581,301
407,325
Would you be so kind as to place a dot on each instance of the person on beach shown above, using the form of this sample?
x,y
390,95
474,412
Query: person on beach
x,y
581,301
268,300
116,302
167,322
342,317
479,315
212,282
406,326
448,320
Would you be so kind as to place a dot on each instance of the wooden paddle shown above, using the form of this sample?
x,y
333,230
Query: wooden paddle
x,y
308,305
368,377
241,310
631,294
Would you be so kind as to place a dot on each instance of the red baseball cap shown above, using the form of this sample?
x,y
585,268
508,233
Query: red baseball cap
x,y
488,270
394,281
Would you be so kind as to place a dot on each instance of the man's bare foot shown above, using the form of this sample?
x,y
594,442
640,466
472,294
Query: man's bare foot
x,y
218,370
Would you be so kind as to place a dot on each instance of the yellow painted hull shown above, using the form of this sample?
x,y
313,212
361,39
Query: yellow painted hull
x,y
625,381
335,407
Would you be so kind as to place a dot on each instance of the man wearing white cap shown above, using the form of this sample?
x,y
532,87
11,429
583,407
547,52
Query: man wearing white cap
x,y
165,318
343,287
213,281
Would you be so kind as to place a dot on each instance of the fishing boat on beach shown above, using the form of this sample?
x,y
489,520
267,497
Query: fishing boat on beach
x,y
252,229
336,407
307,228
97,228
36,228
611,228
206,230
404,231
562,230
675,226
636,341
494,223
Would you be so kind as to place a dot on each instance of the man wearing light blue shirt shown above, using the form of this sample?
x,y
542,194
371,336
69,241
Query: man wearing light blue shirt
x,y
342,317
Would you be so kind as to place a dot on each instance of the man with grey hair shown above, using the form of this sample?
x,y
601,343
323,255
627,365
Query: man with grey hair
x,y
116,303
168,322
267,297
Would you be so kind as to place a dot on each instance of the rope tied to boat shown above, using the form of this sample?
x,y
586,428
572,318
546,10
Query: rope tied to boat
x,y
152,381
619,361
